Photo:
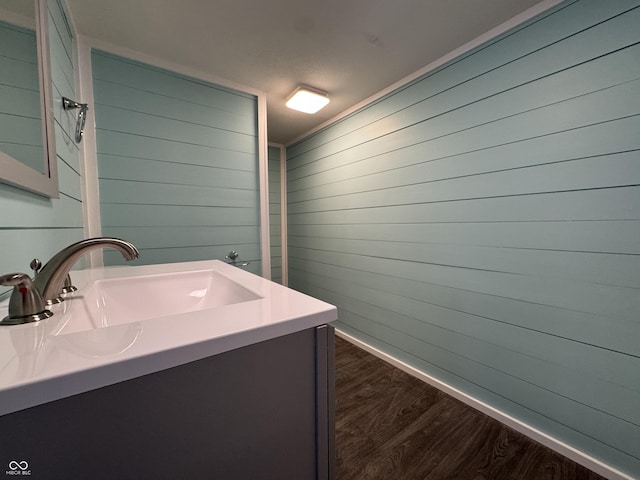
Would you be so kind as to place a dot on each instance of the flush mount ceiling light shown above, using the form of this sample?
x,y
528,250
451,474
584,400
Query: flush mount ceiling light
x,y
307,100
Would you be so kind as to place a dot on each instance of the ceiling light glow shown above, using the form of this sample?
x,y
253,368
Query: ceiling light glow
x,y
307,100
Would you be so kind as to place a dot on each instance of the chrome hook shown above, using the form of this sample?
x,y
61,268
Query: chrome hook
x,y
69,104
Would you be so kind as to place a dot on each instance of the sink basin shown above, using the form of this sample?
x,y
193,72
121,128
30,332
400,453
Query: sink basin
x,y
110,302
128,321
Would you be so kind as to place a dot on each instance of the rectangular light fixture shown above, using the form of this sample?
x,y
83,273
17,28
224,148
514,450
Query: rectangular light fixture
x,y
307,100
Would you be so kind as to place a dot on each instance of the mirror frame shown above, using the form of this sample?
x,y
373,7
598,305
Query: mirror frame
x,y
13,171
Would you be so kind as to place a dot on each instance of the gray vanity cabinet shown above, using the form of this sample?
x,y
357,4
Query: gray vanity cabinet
x,y
264,411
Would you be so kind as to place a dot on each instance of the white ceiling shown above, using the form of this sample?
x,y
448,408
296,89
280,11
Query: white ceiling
x,y
349,48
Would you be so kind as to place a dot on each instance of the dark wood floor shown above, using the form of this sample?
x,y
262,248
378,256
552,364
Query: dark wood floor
x,y
392,426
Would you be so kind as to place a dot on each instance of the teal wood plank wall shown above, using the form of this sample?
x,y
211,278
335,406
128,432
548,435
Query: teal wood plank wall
x,y
275,217
177,164
482,225
32,225
20,119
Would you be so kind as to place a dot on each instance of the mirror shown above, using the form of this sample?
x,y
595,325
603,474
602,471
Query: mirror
x,y
27,138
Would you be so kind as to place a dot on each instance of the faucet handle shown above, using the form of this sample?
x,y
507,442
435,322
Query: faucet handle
x,y
35,265
68,287
26,303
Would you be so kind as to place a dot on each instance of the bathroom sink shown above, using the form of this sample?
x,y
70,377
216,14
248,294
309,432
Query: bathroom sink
x,y
117,301
124,322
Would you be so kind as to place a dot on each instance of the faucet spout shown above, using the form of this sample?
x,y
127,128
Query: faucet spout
x,y
50,280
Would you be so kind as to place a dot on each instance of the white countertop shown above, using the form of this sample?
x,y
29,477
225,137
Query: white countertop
x,y
45,361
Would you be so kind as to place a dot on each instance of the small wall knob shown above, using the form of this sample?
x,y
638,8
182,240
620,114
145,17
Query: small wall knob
x,y
232,259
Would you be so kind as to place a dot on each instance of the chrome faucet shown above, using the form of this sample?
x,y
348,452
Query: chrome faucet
x,y
51,279
27,303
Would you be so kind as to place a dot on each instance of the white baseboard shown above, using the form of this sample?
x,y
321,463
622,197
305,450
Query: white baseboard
x,y
531,432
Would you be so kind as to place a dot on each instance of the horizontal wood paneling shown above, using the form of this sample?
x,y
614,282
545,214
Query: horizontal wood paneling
x,y
21,130
61,53
591,329
481,223
275,206
494,341
32,225
19,101
20,119
616,170
131,192
18,42
168,236
125,215
156,104
170,129
177,163
429,162
613,270
145,78
584,236
157,244
589,205
40,242
27,152
132,146
565,24
18,73
548,121
58,22
144,170
22,209
67,149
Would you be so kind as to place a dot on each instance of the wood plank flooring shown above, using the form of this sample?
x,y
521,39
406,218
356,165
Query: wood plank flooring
x,y
392,426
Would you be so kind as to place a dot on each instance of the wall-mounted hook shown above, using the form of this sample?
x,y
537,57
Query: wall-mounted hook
x,y
69,104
